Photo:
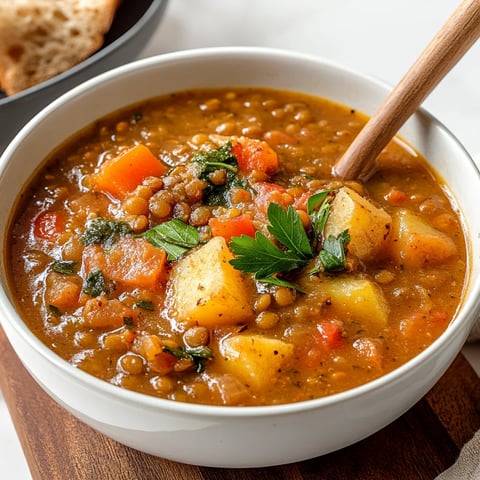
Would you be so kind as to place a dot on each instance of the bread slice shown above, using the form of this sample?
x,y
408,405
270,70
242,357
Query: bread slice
x,y
42,38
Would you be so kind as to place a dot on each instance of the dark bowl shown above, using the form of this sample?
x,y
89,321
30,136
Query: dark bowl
x,y
133,25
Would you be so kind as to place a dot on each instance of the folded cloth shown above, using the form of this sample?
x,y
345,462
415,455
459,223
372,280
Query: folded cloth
x,y
467,466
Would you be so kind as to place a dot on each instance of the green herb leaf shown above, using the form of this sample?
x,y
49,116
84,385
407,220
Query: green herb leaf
x,y
220,158
145,305
282,283
129,323
286,226
197,355
332,254
174,236
260,256
55,310
96,284
318,208
66,267
104,232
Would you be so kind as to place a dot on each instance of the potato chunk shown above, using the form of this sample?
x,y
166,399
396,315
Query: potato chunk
x,y
255,359
367,225
353,297
414,243
206,290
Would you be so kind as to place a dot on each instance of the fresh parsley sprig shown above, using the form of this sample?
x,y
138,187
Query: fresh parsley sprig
x,y
266,260
263,258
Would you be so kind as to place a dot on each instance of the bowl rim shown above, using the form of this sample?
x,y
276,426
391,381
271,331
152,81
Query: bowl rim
x,y
103,52
470,303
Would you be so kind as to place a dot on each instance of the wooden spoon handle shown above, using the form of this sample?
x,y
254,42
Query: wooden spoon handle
x,y
447,47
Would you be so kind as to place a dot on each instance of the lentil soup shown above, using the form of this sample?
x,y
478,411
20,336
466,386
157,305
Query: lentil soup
x,y
196,248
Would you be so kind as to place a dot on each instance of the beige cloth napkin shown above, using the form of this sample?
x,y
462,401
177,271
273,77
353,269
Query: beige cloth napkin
x,y
467,466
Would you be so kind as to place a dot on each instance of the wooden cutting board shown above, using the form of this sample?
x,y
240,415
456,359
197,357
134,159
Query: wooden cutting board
x,y
419,445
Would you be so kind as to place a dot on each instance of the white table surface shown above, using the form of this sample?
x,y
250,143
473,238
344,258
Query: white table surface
x,y
378,37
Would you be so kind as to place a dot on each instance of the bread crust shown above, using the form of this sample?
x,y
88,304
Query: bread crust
x,y
42,38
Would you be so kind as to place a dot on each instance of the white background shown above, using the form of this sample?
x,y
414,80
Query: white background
x,y
377,37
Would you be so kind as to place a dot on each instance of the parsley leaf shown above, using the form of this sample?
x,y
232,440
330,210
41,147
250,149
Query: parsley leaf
x,y
286,226
318,208
96,284
66,267
260,256
175,237
197,355
332,254
145,305
221,158
104,232
266,260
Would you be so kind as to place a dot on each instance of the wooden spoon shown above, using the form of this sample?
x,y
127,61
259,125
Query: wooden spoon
x,y
449,45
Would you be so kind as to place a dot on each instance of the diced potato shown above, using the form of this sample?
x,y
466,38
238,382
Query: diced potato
x,y
207,290
414,243
367,225
354,297
255,359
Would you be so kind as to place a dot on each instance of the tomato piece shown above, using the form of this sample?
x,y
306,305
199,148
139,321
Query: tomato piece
x,y
49,225
267,193
255,155
331,333
231,227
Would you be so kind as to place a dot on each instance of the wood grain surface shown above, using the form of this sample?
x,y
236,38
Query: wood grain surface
x,y
419,445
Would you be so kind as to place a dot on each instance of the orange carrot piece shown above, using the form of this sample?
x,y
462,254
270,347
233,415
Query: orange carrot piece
x,y
121,175
231,227
101,312
256,155
135,262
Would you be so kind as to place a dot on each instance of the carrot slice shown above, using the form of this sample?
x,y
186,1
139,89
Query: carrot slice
x,y
136,262
121,175
253,154
231,227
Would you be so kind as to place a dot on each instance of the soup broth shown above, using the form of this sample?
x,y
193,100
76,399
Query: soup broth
x,y
196,247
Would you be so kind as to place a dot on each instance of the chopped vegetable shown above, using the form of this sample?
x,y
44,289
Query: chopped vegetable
x,y
174,236
267,193
255,359
207,290
367,225
121,175
135,262
104,232
231,227
255,155
101,312
49,225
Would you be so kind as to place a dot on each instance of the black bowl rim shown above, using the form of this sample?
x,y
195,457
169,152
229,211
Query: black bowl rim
x,y
151,10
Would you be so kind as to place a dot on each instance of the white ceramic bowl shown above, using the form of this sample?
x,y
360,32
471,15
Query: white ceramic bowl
x,y
132,27
234,436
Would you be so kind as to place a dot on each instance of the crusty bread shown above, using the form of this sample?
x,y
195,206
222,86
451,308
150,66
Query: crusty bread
x,y
42,38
